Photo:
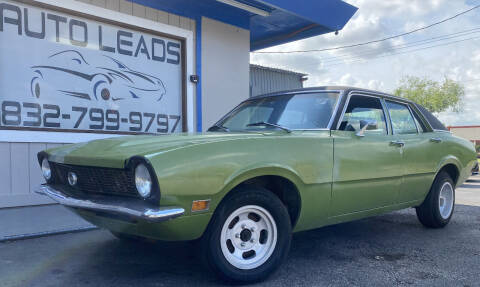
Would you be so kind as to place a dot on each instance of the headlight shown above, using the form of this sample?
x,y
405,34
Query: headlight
x,y
46,171
143,181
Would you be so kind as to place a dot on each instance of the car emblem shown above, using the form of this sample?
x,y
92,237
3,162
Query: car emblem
x,y
72,178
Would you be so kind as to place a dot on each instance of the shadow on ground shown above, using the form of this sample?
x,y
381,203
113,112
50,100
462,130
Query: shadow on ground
x,y
392,249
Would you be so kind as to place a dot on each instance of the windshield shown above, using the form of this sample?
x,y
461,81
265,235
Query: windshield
x,y
293,112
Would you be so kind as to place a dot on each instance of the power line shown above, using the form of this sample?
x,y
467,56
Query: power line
x,y
405,52
403,46
400,53
375,41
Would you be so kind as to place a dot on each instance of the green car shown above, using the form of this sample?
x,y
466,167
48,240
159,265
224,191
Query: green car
x,y
276,164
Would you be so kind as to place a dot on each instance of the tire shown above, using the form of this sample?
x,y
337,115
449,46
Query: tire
x,y
256,218
437,209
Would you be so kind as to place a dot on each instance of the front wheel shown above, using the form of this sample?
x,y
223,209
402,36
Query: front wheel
x,y
249,236
437,209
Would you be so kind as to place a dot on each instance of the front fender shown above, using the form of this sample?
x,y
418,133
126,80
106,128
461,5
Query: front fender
x,y
265,169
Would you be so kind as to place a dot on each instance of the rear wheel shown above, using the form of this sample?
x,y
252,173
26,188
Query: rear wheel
x,y
437,209
249,236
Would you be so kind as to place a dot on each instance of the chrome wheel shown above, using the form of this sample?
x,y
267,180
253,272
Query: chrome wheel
x,y
445,200
248,237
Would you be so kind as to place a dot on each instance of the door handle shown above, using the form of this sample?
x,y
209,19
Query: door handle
x,y
398,143
436,140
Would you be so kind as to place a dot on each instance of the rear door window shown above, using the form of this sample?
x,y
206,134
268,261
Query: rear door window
x,y
432,120
402,119
420,125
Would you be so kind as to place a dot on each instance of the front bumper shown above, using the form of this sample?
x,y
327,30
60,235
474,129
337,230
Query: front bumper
x,y
112,205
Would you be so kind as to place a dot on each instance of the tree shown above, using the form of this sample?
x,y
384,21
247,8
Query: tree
x,y
435,96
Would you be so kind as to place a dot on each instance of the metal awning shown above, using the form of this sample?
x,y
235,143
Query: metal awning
x,y
271,22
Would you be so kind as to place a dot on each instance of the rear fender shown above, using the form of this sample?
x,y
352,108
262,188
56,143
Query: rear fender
x,y
450,159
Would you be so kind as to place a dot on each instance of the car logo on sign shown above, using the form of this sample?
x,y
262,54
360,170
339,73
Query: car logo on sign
x,y
72,178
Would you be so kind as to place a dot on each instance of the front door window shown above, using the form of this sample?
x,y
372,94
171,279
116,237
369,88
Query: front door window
x,y
362,110
367,169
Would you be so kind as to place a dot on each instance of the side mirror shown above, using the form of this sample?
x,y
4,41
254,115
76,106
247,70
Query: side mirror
x,y
366,125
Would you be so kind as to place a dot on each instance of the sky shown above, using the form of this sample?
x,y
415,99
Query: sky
x,y
381,66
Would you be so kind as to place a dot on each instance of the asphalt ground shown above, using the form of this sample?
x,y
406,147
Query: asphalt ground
x,y
388,250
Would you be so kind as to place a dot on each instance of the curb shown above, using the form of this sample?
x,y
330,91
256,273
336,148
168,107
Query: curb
x,y
44,234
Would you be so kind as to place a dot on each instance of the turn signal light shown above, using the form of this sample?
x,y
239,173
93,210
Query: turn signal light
x,y
200,205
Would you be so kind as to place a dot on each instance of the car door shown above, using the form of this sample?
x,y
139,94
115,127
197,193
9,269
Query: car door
x,y
418,166
367,169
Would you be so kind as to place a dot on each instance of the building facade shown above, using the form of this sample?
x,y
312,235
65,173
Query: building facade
x,y
471,133
264,80
78,70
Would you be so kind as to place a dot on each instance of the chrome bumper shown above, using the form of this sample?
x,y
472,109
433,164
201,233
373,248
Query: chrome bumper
x,y
113,206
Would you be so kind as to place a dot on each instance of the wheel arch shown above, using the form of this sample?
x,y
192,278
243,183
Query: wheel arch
x,y
282,182
452,166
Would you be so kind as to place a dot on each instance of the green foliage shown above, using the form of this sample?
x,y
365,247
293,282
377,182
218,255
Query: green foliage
x,y
435,96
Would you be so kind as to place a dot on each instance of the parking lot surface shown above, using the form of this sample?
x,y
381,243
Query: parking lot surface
x,y
392,249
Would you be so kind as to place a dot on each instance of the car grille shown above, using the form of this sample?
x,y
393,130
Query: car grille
x,y
96,179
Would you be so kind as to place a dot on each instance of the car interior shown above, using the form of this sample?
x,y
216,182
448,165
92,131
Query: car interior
x,y
362,110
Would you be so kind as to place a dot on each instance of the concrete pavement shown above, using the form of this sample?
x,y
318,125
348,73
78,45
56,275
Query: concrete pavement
x,y
35,221
388,250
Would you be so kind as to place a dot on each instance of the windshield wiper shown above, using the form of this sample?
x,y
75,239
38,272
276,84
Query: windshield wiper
x,y
219,127
271,125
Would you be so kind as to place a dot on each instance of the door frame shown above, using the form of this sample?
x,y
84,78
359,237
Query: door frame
x,y
379,96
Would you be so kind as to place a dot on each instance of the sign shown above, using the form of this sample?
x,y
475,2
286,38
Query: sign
x,y
65,73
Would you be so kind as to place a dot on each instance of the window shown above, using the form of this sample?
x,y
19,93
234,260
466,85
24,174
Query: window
x,y
420,125
402,119
300,111
362,110
253,114
432,120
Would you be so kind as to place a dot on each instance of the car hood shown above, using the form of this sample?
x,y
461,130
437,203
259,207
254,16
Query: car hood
x,y
113,152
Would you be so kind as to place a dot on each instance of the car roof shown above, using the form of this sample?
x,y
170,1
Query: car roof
x,y
345,89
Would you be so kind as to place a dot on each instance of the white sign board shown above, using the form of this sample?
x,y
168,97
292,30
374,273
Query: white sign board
x,y
66,73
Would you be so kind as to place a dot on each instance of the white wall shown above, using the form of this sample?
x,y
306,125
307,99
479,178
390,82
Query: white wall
x,y
225,69
20,173
469,133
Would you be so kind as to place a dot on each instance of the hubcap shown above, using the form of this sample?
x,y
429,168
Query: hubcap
x,y
445,200
245,235
249,237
